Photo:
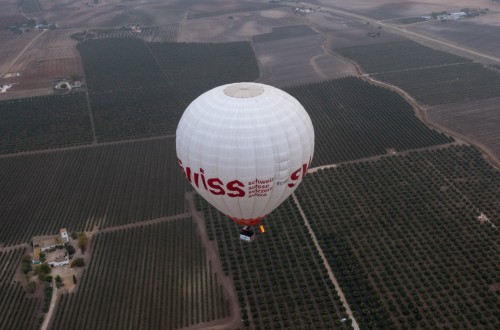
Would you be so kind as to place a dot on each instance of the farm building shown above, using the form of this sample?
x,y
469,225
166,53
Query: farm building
x,y
52,241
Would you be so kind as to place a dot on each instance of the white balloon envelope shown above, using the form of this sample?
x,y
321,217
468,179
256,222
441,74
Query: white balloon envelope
x,y
245,147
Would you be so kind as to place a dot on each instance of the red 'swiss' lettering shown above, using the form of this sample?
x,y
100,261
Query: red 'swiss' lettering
x,y
213,185
296,174
236,188
236,192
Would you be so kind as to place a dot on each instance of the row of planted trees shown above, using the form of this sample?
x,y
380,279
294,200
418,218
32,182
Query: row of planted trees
x,y
403,238
157,277
354,119
101,186
279,278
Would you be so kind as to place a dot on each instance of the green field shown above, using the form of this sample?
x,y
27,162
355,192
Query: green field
x,y
280,279
403,238
17,310
153,277
100,186
353,119
44,122
431,76
140,89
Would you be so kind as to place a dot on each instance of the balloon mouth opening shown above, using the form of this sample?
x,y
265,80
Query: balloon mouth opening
x,y
247,222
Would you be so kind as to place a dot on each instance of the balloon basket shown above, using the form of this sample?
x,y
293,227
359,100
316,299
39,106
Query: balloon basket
x,y
247,234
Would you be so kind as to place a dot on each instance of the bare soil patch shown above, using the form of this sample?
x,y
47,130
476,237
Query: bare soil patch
x,y
236,26
478,121
479,33
387,9
52,56
297,60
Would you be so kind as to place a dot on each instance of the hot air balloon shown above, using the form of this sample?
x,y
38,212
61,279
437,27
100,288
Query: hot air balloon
x,y
245,147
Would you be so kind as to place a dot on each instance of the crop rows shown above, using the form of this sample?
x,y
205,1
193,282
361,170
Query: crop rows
x,y
93,186
446,84
401,55
135,113
17,311
140,89
153,277
119,63
280,279
404,241
44,122
354,119
195,68
432,77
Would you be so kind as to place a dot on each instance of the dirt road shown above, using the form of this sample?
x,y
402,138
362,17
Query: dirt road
x,y
14,60
327,265
408,34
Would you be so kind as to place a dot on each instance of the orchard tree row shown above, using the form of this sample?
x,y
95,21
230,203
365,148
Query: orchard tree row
x,y
353,119
280,278
101,186
17,310
405,240
152,277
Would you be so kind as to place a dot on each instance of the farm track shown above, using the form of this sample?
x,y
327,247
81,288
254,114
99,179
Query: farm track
x,y
326,264
421,113
21,53
139,224
101,144
378,157
405,33
233,321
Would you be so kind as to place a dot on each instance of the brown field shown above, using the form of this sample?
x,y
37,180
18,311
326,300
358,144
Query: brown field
x,y
345,32
478,121
390,9
235,27
51,56
286,60
478,33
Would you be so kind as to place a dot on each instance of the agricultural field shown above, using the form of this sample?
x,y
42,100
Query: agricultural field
x,y
280,278
196,68
478,120
89,187
446,84
388,9
243,8
478,33
44,122
240,26
431,76
140,89
294,55
17,310
119,63
403,237
153,277
354,119
51,56
398,56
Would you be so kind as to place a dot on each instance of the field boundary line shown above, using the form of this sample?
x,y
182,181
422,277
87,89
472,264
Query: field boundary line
x,y
421,112
378,157
326,265
83,146
141,223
